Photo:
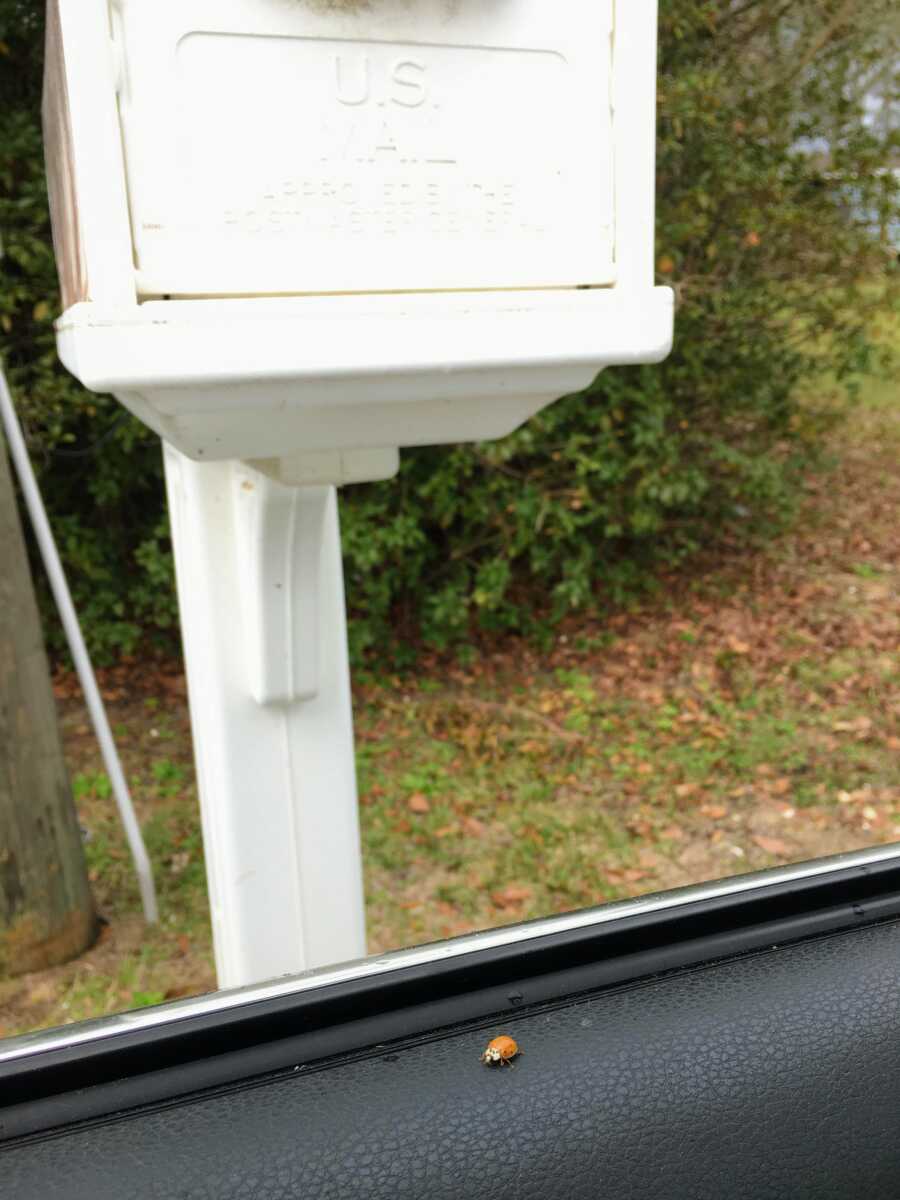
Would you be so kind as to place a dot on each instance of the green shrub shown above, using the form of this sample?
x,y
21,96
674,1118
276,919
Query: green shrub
x,y
779,261
779,266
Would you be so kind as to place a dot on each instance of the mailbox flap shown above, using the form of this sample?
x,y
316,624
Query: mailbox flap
x,y
305,147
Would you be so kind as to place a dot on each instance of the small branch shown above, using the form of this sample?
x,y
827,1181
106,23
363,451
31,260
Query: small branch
x,y
507,708
844,14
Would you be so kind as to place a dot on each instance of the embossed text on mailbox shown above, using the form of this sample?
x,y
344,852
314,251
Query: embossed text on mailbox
x,y
359,165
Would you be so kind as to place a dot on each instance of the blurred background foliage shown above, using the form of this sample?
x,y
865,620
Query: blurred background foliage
x,y
778,219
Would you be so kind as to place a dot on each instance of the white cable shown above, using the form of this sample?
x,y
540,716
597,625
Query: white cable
x,y
60,588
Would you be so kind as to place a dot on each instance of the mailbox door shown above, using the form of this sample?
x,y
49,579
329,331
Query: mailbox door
x,y
299,147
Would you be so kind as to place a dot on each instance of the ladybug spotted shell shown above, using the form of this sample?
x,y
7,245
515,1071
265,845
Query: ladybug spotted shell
x,y
501,1051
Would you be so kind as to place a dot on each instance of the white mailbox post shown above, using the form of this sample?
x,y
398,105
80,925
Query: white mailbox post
x,y
293,237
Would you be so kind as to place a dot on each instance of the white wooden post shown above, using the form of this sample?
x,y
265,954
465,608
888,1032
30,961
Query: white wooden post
x,y
260,589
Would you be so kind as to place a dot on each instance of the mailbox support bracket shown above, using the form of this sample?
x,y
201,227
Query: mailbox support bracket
x,y
260,587
281,522
280,534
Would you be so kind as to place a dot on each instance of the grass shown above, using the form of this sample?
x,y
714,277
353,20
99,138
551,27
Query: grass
x,y
750,717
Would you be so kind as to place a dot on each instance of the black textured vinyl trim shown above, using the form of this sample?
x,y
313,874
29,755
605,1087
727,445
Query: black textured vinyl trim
x,y
771,1076
90,1081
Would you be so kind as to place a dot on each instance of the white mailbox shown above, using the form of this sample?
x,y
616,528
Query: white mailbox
x,y
299,226
293,237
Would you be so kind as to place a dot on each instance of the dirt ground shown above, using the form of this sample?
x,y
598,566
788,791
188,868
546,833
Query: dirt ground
x,y
748,717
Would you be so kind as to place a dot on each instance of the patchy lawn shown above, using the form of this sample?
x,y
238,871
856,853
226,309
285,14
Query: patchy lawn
x,y
749,719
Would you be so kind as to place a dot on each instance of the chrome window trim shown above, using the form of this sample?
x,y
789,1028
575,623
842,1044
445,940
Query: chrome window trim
x,y
81,1033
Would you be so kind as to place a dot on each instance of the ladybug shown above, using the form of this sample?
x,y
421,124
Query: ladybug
x,y
501,1051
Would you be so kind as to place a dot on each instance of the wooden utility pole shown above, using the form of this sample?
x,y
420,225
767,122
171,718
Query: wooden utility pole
x,y
46,908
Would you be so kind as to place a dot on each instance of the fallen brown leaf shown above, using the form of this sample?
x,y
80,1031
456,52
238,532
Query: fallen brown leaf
x,y
633,875
715,812
418,803
511,896
672,833
639,828
473,827
772,845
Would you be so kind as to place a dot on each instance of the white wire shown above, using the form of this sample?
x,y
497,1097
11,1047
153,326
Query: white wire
x,y
44,534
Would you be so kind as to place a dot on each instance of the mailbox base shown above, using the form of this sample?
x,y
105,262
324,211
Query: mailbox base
x,y
275,377
262,611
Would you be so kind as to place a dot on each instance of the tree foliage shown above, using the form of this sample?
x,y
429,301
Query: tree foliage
x,y
776,204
